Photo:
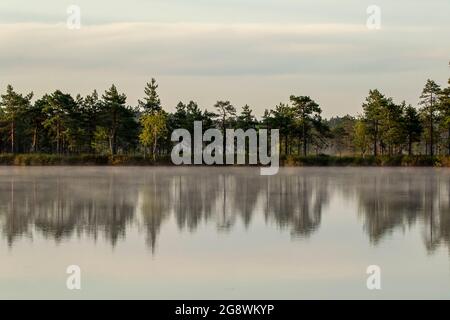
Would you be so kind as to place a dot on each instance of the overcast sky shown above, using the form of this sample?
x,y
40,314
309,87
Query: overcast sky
x,y
255,52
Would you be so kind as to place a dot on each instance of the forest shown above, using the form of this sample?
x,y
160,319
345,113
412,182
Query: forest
x,y
101,126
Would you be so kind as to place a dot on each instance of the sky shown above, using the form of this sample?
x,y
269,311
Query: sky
x,y
255,52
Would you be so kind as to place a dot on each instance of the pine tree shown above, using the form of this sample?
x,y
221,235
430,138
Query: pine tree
x,y
151,103
113,109
360,136
246,120
35,118
90,108
308,117
283,118
59,110
444,110
429,103
373,108
14,105
412,125
392,133
225,114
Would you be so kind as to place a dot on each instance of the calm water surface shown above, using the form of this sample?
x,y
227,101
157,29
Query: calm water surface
x,y
224,233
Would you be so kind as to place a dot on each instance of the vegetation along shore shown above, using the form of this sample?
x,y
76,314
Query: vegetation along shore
x,y
292,160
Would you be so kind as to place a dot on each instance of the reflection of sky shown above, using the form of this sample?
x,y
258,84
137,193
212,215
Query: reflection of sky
x,y
258,262
312,234
248,51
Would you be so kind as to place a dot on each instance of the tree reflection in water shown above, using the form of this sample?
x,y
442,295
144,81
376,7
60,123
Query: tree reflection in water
x,y
60,203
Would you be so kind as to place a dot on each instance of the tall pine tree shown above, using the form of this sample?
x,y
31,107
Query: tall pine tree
x,y
429,103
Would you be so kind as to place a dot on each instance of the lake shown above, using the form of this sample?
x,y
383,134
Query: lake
x,y
224,233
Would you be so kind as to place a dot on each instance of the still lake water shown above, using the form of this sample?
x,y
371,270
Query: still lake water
x,y
168,233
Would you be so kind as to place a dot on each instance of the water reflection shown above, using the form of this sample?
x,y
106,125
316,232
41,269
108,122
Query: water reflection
x,y
399,199
60,203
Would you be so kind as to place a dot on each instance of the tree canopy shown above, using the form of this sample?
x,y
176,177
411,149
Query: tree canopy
x,y
64,124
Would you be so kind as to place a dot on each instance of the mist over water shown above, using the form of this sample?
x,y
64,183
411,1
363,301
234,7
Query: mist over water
x,y
200,232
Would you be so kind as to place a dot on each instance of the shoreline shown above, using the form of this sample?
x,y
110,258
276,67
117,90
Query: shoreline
x,y
25,160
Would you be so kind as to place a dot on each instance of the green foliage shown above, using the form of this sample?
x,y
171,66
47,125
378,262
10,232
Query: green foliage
x,y
117,118
283,118
429,103
225,115
61,119
246,120
412,126
186,115
361,138
90,108
308,121
37,159
151,102
100,142
58,128
154,128
444,119
14,106
379,161
342,132
373,112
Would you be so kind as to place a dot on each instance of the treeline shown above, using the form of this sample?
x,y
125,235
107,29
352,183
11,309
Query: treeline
x,y
389,128
61,124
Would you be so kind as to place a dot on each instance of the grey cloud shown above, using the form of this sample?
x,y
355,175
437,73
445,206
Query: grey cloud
x,y
215,50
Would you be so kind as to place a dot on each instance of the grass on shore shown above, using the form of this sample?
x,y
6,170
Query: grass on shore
x,y
394,161
137,160
74,160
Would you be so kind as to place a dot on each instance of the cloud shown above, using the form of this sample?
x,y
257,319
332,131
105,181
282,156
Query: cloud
x,y
207,49
256,63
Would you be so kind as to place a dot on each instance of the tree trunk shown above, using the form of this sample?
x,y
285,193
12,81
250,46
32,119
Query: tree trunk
x,y
410,145
224,138
286,145
57,138
431,126
34,145
375,140
114,134
448,142
305,149
304,139
114,150
110,144
13,128
155,145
